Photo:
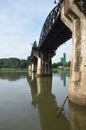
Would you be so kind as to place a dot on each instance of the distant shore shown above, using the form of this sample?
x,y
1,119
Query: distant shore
x,y
66,69
13,69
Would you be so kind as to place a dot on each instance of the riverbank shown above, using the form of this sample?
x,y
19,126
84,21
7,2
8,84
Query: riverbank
x,y
66,69
13,69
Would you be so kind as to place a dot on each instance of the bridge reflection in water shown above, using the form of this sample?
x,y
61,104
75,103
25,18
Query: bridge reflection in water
x,y
77,117
44,100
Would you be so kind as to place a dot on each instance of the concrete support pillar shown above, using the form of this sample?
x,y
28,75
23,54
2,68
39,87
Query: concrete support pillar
x,y
49,66
34,67
44,65
74,17
39,67
29,67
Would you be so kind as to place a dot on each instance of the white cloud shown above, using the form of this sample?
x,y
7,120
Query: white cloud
x,y
21,22
15,46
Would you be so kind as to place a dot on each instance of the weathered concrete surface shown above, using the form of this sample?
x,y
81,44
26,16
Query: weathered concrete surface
x,y
39,66
73,14
29,67
44,64
34,67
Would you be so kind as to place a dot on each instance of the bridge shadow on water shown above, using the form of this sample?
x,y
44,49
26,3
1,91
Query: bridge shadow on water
x,y
45,101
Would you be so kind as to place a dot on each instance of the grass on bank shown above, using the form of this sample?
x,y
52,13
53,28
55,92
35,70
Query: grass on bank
x,y
66,69
13,69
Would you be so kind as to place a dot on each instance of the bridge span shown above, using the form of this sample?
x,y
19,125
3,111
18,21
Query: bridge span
x,y
66,20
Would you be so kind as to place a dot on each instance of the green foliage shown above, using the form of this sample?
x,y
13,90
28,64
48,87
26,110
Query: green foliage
x,y
68,64
23,64
56,65
13,63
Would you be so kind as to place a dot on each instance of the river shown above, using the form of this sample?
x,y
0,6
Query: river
x,y
31,103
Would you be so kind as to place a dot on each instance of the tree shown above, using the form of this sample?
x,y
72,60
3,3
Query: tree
x,y
13,63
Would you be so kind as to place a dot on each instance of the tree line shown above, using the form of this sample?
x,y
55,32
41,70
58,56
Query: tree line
x,y
17,63
60,64
13,63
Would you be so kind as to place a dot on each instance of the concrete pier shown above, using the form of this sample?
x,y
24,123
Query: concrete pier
x,y
44,64
73,14
29,67
34,67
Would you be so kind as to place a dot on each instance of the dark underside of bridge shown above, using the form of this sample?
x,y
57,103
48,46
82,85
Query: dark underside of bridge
x,y
58,34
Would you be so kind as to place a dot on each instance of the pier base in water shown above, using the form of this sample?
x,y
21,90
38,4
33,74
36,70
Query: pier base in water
x,y
73,14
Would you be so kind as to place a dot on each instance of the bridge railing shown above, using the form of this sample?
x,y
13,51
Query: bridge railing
x,y
49,22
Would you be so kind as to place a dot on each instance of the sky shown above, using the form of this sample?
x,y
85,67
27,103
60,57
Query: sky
x,y
21,22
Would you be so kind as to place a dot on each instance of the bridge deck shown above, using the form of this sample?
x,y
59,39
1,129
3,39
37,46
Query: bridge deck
x,y
58,35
